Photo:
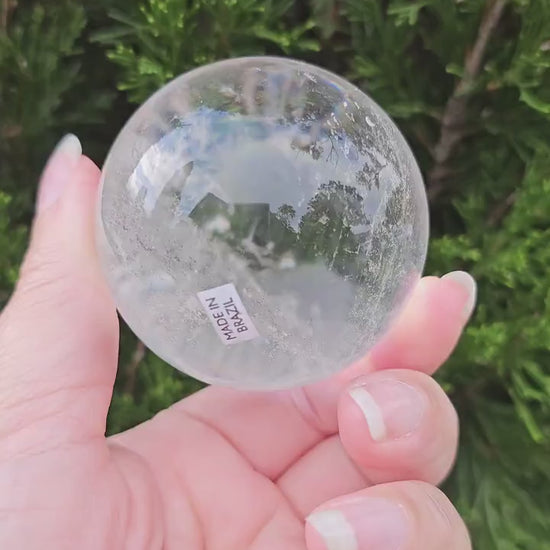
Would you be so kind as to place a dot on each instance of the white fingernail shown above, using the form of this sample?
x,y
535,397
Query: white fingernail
x,y
59,171
371,411
70,146
468,283
392,408
363,522
335,530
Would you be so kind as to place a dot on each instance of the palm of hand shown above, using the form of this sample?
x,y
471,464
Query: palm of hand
x,y
221,470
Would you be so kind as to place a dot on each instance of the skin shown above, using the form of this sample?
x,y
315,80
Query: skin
x,y
222,469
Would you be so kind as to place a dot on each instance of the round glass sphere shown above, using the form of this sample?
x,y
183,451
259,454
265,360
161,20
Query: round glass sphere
x,y
261,223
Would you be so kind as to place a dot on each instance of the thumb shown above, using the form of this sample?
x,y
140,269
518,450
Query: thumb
x,y
58,333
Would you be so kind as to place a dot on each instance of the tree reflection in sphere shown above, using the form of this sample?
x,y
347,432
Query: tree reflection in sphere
x,y
261,223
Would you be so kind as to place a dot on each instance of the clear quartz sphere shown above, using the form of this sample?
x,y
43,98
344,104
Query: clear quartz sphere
x,y
262,221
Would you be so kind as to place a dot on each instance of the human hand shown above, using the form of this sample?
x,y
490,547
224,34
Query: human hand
x,y
346,464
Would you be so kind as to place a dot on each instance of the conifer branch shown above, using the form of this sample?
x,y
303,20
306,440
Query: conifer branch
x,y
4,14
132,367
501,209
7,6
455,113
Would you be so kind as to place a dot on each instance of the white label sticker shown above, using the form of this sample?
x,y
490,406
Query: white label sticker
x,y
227,314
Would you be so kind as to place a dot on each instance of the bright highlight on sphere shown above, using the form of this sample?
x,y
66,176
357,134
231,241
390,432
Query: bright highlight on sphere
x,y
261,223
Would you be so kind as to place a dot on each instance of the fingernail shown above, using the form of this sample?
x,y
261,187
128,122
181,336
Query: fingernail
x,y
58,171
467,282
366,522
392,409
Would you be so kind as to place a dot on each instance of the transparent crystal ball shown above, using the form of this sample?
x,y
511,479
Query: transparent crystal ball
x,y
262,221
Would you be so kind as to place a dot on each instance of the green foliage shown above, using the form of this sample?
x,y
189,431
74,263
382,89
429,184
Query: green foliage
x,y
162,39
529,69
500,480
490,209
35,75
42,89
12,240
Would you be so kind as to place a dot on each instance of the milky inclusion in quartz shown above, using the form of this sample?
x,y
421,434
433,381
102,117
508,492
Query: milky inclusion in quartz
x,y
261,223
